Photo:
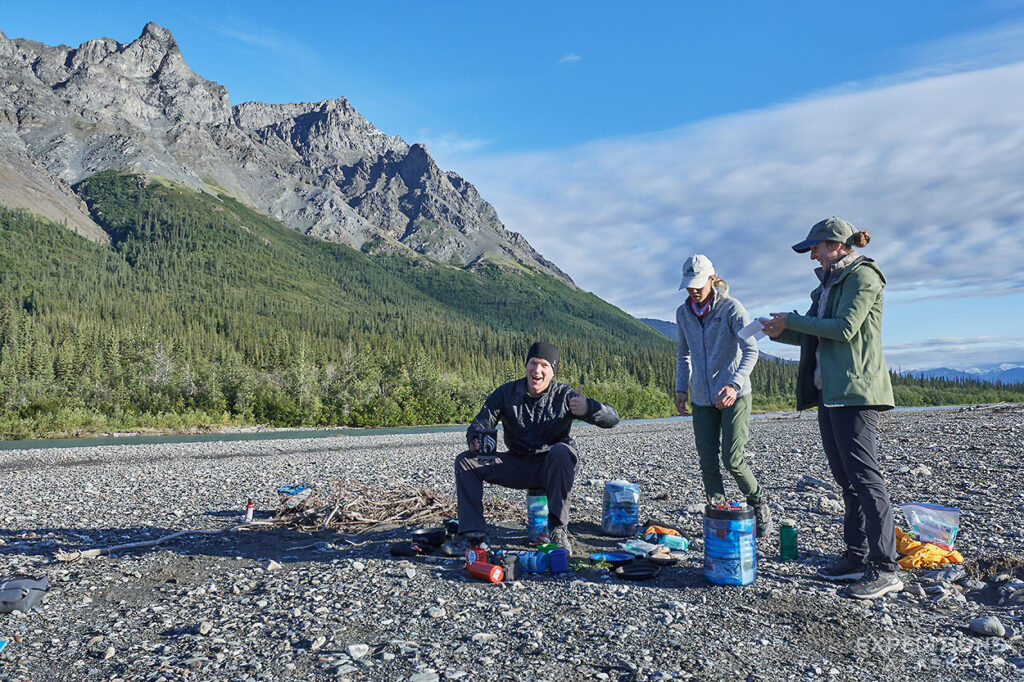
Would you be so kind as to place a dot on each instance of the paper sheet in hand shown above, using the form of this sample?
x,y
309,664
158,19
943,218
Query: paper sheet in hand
x,y
753,329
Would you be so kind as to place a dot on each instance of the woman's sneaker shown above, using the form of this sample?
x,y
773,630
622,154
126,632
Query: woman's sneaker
x,y
875,584
843,568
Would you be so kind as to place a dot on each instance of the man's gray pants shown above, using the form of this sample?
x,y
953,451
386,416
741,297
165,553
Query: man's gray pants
x,y
553,472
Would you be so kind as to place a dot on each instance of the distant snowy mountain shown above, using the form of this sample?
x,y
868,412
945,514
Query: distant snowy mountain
x,y
1006,373
1000,374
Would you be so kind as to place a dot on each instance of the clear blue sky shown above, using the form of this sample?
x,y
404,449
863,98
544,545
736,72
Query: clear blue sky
x,y
620,137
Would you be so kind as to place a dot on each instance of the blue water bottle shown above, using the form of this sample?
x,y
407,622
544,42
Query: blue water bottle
x,y
533,562
536,514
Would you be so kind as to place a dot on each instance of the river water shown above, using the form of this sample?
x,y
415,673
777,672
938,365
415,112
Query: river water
x,y
290,434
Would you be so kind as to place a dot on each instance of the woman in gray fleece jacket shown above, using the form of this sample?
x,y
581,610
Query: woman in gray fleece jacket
x,y
713,368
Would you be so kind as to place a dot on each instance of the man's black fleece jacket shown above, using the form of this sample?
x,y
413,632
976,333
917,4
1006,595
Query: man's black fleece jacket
x,y
533,425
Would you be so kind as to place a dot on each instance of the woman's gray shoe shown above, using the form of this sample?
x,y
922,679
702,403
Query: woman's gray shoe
x,y
843,568
875,584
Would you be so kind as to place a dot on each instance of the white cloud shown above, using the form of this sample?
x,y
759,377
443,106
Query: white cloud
x,y
263,38
931,168
972,51
983,48
250,36
570,59
448,147
961,352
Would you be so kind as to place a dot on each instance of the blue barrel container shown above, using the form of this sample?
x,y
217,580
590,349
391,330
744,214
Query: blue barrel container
x,y
730,554
621,515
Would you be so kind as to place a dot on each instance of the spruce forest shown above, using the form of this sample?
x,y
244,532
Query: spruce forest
x,y
202,313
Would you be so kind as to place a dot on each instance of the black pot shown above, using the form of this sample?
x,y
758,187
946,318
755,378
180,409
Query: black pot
x,y
430,536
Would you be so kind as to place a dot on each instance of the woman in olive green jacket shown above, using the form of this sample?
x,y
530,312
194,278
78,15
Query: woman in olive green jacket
x,y
843,372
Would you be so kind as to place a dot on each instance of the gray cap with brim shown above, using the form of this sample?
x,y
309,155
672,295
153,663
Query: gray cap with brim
x,y
831,229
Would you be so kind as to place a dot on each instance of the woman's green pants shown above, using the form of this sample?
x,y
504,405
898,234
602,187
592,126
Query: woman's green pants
x,y
725,432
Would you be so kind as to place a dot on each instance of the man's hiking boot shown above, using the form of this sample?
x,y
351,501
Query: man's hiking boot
x,y
464,541
843,568
874,584
763,517
560,536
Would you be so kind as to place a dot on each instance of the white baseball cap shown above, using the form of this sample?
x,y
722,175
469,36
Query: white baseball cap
x,y
697,270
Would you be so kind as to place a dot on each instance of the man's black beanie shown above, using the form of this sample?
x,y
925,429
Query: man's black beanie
x,y
544,351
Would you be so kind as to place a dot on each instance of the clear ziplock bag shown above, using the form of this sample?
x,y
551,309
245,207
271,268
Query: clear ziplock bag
x,y
933,523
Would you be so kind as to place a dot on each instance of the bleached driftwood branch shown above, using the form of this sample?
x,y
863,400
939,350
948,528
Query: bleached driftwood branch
x,y
98,551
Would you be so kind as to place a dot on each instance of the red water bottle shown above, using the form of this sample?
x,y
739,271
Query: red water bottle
x,y
249,509
485,571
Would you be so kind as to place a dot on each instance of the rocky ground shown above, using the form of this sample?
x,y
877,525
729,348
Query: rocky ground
x,y
215,607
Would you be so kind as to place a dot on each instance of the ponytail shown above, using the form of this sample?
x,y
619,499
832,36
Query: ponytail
x,y
720,284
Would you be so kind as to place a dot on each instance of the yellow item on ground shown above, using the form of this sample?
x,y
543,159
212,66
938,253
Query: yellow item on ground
x,y
923,554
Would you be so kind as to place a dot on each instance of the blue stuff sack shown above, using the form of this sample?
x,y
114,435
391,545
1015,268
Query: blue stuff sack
x,y
21,594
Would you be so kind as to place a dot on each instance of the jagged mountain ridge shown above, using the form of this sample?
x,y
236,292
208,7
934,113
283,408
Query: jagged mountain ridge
x,y
321,168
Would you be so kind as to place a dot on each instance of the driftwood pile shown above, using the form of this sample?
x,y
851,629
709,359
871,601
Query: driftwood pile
x,y
354,507
342,506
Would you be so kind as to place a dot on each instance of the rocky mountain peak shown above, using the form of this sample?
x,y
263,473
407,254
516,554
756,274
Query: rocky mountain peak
x,y
152,52
320,168
153,32
7,48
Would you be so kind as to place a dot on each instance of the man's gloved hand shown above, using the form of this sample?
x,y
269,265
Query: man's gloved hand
x,y
578,404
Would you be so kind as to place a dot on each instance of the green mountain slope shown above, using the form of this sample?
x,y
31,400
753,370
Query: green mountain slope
x,y
203,311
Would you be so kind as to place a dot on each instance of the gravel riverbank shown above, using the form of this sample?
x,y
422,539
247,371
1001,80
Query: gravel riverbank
x,y
209,607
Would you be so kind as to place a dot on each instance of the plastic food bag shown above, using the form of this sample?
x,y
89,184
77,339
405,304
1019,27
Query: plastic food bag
x,y
933,523
638,547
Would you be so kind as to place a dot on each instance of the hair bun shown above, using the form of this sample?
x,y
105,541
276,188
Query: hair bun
x,y
860,239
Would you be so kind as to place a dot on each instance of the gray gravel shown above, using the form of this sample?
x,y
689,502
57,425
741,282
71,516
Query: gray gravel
x,y
217,607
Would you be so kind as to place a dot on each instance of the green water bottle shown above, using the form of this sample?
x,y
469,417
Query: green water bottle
x,y
787,540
